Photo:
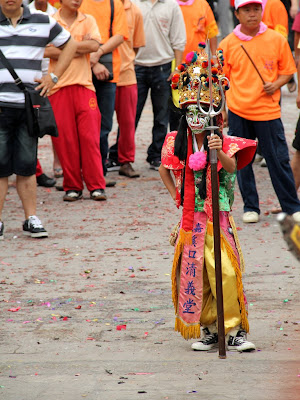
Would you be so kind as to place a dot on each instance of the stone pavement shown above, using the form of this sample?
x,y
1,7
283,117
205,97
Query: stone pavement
x,y
87,313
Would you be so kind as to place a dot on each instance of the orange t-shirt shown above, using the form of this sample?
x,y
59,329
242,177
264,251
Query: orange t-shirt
x,y
246,96
136,39
200,24
275,17
101,11
79,71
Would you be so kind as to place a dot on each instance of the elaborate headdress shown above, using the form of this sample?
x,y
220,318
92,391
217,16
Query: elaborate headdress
x,y
194,74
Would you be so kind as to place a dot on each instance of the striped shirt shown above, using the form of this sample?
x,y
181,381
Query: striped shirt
x,y
24,47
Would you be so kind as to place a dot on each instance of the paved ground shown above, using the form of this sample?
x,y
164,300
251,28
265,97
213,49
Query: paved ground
x,y
87,313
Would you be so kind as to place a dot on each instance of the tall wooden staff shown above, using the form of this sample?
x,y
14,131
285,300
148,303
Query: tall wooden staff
x,y
215,203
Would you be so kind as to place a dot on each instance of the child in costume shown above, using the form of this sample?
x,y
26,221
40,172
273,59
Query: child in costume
x,y
186,154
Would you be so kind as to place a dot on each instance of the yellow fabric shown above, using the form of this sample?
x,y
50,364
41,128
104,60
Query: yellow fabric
x,y
232,313
235,313
237,242
175,93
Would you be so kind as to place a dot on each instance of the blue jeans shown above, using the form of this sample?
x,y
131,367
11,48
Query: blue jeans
x,y
106,93
270,135
155,79
18,150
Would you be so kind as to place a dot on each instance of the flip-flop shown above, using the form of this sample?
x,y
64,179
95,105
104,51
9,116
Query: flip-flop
x,y
58,172
276,210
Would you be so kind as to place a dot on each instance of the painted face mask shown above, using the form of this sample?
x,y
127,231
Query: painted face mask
x,y
195,120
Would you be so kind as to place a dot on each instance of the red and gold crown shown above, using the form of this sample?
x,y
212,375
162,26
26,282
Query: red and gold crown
x,y
194,71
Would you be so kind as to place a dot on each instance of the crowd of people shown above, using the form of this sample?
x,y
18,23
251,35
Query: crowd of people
x,y
124,49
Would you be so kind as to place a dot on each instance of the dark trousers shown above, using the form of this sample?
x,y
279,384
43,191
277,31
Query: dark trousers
x,y
106,93
155,79
270,135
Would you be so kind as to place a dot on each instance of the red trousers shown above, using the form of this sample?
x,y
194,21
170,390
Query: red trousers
x,y
78,145
125,106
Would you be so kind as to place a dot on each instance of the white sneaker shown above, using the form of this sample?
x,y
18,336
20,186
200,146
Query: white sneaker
x,y
250,217
296,216
240,342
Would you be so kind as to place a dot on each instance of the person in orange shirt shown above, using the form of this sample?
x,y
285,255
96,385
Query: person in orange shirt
x,y
111,20
275,16
122,153
254,110
78,123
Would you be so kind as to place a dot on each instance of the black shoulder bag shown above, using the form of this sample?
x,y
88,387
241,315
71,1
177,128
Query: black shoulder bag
x,y
107,59
39,114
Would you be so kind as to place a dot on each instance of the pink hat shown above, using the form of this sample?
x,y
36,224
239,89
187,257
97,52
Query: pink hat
x,y
241,3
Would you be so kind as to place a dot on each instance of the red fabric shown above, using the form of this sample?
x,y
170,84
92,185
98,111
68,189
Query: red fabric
x,y
245,148
39,169
78,145
125,106
168,159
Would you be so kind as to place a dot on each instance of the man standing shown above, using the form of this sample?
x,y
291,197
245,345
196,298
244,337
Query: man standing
x,y
165,40
254,110
23,38
111,20
78,144
122,153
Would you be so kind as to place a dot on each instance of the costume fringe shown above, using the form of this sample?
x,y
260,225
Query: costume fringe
x,y
188,332
225,246
237,242
184,238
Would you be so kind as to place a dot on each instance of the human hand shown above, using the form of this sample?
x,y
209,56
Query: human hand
x,y
270,88
215,142
172,73
45,85
293,10
101,72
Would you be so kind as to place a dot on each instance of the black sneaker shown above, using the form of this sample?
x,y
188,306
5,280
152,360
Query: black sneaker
x,y
46,181
240,342
112,165
72,195
33,227
207,343
1,230
155,164
98,195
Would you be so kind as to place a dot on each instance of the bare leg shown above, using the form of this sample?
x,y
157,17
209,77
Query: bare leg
x,y
26,187
3,191
295,164
56,162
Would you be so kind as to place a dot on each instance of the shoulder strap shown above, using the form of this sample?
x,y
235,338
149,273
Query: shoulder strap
x,y
13,73
112,10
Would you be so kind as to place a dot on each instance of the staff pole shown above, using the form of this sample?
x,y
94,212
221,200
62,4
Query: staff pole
x,y
215,205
